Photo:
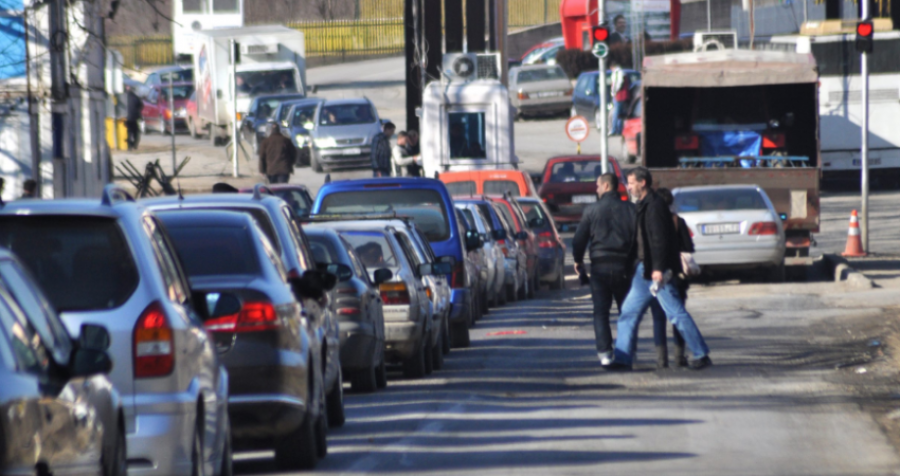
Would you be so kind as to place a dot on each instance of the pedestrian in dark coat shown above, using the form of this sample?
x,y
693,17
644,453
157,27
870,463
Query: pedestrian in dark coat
x,y
277,156
382,151
134,109
658,258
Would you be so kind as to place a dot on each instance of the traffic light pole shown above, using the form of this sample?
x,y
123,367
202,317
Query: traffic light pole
x,y
864,152
601,89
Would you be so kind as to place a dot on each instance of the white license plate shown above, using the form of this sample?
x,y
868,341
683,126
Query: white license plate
x,y
584,199
722,229
352,151
548,94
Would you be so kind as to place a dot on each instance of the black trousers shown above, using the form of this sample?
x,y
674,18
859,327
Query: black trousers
x,y
134,134
609,281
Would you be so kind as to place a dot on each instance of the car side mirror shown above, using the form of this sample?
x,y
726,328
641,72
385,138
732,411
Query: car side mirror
x,y
473,240
536,222
86,362
339,270
313,284
451,260
522,235
499,234
441,269
383,275
93,337
425,269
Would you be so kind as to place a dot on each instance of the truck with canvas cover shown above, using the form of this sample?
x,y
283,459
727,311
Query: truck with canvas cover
x,y
738,117
270,59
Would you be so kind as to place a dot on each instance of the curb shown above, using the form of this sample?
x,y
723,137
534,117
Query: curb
x,y
842,271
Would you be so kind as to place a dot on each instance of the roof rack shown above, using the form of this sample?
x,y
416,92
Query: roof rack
x,y
260,189
324,218
113,194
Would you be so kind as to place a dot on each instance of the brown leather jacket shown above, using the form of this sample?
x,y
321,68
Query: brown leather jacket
x,y
277,155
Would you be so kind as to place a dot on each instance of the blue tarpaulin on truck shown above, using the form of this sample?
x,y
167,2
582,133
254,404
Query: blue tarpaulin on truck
x,y
731,143
12,40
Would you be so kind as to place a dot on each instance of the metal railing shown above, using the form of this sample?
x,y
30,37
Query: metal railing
x,y
352,37
138,51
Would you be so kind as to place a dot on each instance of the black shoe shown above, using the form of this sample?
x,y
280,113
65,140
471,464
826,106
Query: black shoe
x,y
662,357
700,364
681,361
618,367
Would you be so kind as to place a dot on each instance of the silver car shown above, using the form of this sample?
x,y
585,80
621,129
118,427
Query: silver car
x,y
733,227
341,136
540,89
495,269
111,263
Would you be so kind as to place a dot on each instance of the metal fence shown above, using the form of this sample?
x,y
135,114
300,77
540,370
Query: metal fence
x,y
352,37
139,51
525,13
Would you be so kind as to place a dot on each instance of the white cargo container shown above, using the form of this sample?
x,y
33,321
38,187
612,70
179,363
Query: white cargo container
x,y
270,59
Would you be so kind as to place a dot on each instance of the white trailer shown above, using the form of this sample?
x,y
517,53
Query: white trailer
x,y
467,119
193,16
270,59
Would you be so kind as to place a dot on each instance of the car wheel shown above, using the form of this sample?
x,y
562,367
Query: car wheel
x,y
322,435
227,465
298,449
429,357
198,468
314,161
381,375
445,337
335,402
459,335
115,464
437,355
414,366
364,381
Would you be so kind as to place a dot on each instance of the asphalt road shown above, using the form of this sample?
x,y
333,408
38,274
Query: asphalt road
x,y
538,403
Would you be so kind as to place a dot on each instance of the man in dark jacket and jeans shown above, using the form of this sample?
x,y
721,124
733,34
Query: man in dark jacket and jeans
x,y
659,260
134,108
608,227
277,155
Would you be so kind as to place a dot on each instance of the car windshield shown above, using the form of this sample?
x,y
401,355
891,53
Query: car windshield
x,y
265,108
178,92
346,115
201,249
583,171
373,249
719,200
425,206
296,200
178,76
252,83
304,117
82,263
541,74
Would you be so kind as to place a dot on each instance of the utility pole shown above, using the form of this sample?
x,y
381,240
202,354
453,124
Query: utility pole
x,y
234,124
864,153
59,93
172,121
601,90
33,117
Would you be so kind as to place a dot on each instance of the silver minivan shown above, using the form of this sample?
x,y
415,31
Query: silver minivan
x,y
112,264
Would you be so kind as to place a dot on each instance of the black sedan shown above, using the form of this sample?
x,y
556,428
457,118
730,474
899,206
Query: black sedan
x,y
276,392
61,414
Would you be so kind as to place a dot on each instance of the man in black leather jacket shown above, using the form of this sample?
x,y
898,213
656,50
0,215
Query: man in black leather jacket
x,y
607,227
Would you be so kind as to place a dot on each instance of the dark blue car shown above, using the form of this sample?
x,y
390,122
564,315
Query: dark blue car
x,y
429,204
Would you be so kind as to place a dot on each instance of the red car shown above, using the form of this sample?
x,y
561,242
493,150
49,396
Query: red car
x,y
527,239
631,131
569,184
156,114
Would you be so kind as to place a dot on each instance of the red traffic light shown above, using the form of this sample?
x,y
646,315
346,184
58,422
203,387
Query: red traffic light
x,y
864,28
600,33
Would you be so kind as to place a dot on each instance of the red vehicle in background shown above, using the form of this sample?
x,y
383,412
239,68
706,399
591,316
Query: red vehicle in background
x,y
569,184
526,238
631,131
157,114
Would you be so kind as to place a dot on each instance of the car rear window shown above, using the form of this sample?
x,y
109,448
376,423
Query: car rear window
x,y
82,263
202,249
425,206
532,210
462,188
504,210
296,200
323,250
542,74
586,171
372,248
485,210
499,187
721,199
265,224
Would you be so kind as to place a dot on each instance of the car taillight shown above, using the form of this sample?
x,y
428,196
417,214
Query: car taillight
x,y
253,317
763,228
687,142
569,92
773,140
458,278
429,293
503,248
154,344
394,293
546,239
523,95
348,311
167,114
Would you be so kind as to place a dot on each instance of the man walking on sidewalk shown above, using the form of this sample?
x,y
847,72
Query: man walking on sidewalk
x,y
381,151
277,156
658,256
607,227
134,109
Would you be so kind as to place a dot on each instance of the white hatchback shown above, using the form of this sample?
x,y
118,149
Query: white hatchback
x,y
733,227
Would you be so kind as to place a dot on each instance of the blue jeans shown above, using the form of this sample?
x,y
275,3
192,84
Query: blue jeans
x,y
618,110
636,304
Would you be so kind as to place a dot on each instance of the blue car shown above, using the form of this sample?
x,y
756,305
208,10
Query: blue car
x,y
429,204
586,101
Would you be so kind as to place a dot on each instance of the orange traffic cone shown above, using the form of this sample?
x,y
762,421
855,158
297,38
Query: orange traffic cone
x,y
854,243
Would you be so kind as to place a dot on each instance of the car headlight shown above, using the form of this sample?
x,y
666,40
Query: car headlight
x,y
262,129
325,142
181,112
301,140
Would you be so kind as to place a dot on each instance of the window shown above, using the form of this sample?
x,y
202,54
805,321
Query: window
x,y
178,76
82,263
304,117
225,6
485,210
499,187
178,93
467,137
202,250
541,74
192,6
373,249
470,219
532,211
722,199
301,243
358,267
265,224
296,200
165,258
26,345
407,249
461,188
43,317
273,257
322,250
508,216
252,83
419,256
346,114
583,171
425,206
